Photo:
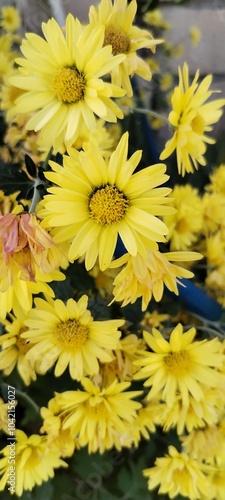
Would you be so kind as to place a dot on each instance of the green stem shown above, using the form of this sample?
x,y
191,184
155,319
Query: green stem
x,y
22,395
36,196
146,112
30,402
45,164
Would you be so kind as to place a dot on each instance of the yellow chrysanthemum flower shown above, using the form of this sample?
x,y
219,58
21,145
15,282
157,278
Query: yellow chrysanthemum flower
x,y
176,473
34,463
206,445
191,117
55,435
95,200
146,277
98,417
125,38
68,335
10,19
29,259
195,414
179,365
14,349
186,224
62,77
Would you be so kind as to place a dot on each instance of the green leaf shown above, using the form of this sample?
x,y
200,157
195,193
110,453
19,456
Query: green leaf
x,y
12,179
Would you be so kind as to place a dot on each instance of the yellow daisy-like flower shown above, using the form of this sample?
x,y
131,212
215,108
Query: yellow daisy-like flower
x,y
191,117
14,349
29,259
146,277
34,463
98,417
10,19
125,38
52,427
206,444
96,199
176,473
195,414
179,365
186,224
68,334
62,77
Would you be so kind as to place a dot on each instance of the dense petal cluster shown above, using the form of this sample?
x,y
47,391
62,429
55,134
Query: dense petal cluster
x,y
66,334
34,462
98,417
191,118
146,277
62,78
180,365
95,200
176,473
125,38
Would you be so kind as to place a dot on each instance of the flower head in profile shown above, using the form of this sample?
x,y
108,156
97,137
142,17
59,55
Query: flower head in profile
x,y
191,118
35,462
55,435
179,365
176,473
29,258
68,335
125,38
98,417
95,200
62,77
146,277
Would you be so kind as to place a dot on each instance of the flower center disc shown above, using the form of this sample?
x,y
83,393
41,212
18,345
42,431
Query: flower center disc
x,y
22,345
108,205
68,85
177,363
72,333
118,39
97,411
198,124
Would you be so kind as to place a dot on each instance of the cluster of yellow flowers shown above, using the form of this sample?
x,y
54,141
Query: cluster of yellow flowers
x,y
60,99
